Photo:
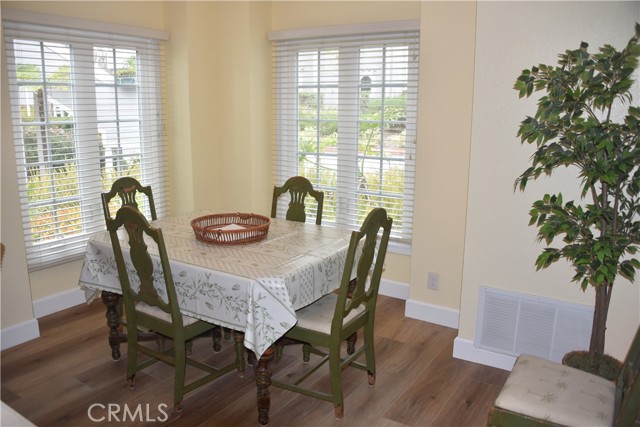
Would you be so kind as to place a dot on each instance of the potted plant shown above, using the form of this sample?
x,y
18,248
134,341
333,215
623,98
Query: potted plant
x,y
585,120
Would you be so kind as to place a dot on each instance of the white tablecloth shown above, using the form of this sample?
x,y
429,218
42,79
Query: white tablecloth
x,y
254,288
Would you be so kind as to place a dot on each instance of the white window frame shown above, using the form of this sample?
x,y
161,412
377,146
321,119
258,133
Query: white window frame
x,y
43,254
286,123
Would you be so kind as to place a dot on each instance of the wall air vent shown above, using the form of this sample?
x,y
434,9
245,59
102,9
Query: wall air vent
x,y
512,323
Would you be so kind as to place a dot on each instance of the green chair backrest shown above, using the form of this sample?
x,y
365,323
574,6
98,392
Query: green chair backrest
x,y
164,295
369,265
298,187
127,188
627,405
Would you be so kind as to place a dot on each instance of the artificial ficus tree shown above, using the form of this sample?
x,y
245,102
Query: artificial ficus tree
x,y
578,123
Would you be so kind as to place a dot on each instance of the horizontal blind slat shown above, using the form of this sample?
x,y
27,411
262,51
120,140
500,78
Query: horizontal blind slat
x,y
87,108
346,112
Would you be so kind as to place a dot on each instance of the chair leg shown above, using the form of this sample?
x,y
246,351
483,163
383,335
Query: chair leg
x,y
306,353
132,356
279,351
370,353
216,335
188,348
160,343
336,381
180,370
351,343
339,412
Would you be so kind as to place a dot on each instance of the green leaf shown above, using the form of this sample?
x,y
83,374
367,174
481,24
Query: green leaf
x,y
573,127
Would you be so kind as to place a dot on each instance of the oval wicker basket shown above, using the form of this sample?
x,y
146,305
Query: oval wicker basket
x,y
231,228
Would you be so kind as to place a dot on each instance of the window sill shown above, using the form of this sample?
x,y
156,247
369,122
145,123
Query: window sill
x,y
399,248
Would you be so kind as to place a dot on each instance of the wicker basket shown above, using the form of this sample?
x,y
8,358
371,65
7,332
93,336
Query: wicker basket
x,y
231,228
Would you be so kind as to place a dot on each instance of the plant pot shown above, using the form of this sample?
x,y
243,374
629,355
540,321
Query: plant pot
x,y
606,366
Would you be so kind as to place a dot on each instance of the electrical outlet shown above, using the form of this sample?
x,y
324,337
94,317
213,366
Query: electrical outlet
x,y
433,281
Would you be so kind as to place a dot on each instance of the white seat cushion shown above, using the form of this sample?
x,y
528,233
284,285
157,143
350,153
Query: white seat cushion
x,y
158,313
563,395
318,316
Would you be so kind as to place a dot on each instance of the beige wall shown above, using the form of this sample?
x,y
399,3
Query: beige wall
x,y
288,15
500,248
15,292
444,136
180,60
147,14
242,126
217,161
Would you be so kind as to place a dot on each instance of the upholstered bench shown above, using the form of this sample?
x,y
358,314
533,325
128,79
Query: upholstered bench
x,y
539,392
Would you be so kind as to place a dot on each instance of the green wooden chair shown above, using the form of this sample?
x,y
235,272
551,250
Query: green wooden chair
x,y
127,188
323,325
152,304
539,392
298,187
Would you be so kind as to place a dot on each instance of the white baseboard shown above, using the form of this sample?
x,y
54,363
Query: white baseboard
x,y
58,302
465,349
394,289
432,313
10,417
462,348
29,330
18,334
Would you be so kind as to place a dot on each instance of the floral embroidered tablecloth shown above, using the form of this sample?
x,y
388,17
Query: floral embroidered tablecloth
x,y
254,288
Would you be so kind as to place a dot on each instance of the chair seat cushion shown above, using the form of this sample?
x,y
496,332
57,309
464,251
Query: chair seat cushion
x,y
158,313
318,316
549,391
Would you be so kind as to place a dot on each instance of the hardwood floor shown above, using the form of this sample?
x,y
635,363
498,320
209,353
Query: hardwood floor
x,y
55,379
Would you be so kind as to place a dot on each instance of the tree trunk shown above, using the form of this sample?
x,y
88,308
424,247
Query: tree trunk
x,y
41,133
596,347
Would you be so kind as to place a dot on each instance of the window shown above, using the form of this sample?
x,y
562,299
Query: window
x,y
86,109
346,112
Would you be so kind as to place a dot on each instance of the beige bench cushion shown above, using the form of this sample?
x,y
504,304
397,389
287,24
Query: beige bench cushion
x,y
560,394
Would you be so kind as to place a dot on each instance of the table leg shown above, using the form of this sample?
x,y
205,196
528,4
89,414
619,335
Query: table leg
x,y
217,339
112,300
238,338
263,381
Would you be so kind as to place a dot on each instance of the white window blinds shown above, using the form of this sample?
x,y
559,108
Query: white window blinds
x,y
87,108
346,110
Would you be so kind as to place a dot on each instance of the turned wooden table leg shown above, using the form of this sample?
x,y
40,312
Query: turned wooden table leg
x,y
217,339
238,338
112,300
263,381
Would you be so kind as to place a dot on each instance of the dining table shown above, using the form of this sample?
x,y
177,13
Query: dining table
x,y
253,288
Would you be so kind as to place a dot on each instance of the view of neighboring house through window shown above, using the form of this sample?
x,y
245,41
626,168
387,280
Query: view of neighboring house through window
x,y
346,119
86,110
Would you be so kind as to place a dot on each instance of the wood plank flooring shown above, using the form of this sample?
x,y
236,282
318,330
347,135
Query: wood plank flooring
x,y
55,379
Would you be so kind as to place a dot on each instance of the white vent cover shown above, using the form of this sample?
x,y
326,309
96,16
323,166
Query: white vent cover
x,y
513,323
